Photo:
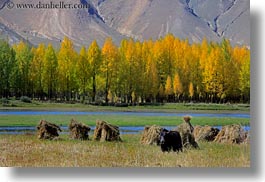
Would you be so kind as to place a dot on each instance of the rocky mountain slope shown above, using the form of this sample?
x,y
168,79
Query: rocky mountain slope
x,y
51,25
140,19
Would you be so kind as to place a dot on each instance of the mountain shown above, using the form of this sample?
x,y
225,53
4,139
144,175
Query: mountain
x,y
227,18
192,19
140,19
51,25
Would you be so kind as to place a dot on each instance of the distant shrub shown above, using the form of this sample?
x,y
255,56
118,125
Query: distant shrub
x,y
121,105
151,104
4,101
25,99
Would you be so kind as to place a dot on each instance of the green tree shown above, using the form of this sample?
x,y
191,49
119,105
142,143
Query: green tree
x,y
95,61
24,58
128,67
50,72
245,78
241,55
83,72
7,68
36,70
229,69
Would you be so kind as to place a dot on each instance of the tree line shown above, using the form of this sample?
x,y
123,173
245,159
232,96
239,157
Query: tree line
x,y
164,70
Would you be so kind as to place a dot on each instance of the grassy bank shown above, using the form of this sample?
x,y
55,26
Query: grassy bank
x,y
27,151
167,107
120,120
125,120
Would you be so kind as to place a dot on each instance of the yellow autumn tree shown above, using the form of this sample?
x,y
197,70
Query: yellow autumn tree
x,y
168,88
213,76
186,66
134,71
191,90
168,54
160,63
196,70
141,50
36,70
151,79
110,66
177,86
67,59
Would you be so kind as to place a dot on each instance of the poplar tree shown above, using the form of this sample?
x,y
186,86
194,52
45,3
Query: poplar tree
x,y
110,66
83,73
7,69
177,86
36,70
67,59
24,58
50,72
95,61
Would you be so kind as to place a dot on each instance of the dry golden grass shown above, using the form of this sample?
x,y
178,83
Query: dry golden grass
x,y
28,151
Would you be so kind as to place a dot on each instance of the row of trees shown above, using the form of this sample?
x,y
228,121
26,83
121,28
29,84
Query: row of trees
x,y
168,69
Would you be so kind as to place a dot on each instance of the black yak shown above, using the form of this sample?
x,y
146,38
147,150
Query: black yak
x,y
170,140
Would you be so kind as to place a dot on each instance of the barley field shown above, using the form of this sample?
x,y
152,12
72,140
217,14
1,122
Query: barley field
x,y
28,151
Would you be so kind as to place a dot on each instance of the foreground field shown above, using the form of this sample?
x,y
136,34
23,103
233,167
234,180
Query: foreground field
x,y
27,151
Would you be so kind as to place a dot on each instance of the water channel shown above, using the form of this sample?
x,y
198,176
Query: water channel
x,y
123,129
132,113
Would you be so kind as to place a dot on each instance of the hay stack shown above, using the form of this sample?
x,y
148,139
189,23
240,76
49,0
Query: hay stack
x,y
105,131
205,133
231,134
186,132
151,135
247,138
78,130
47,130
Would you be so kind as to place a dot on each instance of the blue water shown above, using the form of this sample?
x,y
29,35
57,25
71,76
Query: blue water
x,y
123,130
16,130
218,115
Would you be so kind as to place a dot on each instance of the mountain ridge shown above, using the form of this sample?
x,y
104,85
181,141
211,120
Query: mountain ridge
x,y
139,19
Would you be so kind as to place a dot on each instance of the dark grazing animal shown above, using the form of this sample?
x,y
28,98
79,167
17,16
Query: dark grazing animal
x,y
170,140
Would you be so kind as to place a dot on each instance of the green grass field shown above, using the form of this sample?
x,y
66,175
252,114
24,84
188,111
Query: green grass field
x,y
28,151
124,120
120,120
167,107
